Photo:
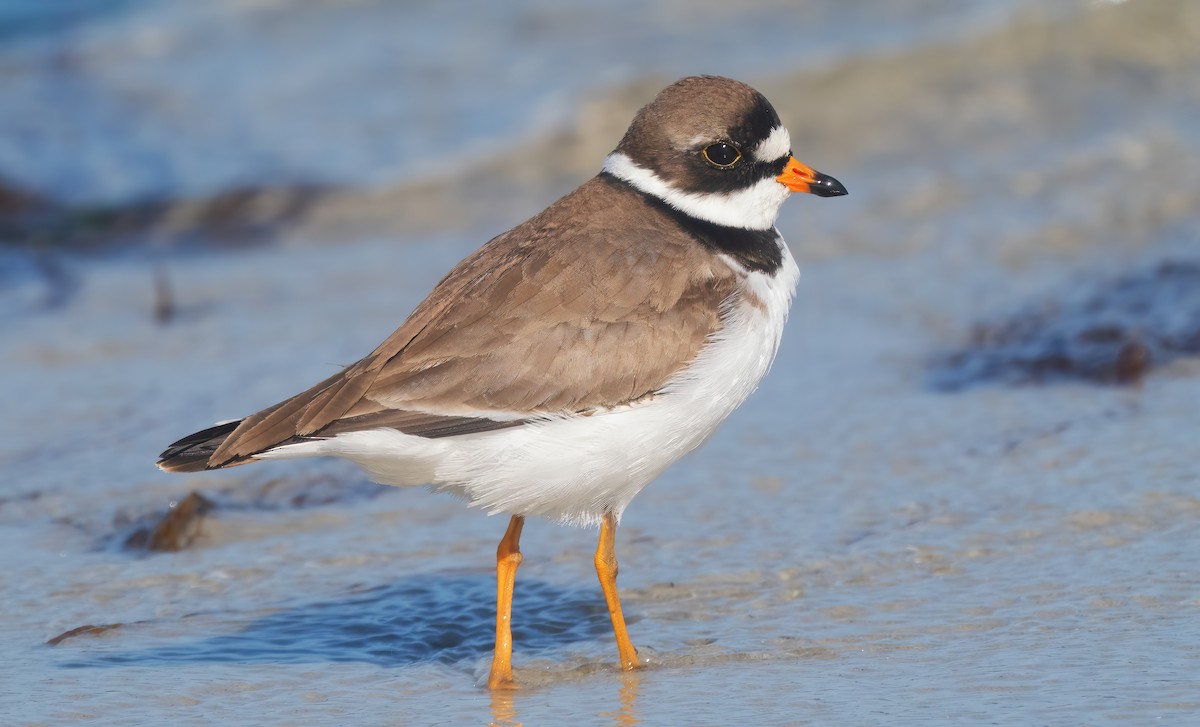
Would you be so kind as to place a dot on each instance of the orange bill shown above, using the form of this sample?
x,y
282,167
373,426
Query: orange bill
x,y
803,178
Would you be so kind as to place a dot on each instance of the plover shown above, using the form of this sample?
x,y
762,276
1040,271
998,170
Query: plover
x,y
561,367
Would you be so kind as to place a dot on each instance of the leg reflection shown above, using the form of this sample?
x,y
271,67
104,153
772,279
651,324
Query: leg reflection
x,y
627,713
504,712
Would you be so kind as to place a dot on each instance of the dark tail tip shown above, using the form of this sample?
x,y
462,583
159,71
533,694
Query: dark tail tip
x,y
191,454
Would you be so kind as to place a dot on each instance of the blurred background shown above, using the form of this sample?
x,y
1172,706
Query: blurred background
x,y
967,489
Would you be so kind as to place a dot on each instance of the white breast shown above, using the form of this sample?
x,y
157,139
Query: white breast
x,y
575,468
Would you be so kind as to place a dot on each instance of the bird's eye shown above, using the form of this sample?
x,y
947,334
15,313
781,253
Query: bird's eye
x,y
722,154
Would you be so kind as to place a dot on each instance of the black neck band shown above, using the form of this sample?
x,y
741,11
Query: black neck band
x,y
756,250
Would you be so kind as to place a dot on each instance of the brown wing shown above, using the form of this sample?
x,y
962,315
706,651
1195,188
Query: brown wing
x,y
596,302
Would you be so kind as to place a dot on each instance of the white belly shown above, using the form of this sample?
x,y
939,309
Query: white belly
x,y
576,468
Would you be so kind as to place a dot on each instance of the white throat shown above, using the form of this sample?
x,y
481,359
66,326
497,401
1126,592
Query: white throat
x,y
753,208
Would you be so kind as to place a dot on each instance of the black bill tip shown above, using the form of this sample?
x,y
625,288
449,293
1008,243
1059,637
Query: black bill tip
x,y
824,185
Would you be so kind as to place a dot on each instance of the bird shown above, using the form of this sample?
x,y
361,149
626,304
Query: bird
x,y
562,366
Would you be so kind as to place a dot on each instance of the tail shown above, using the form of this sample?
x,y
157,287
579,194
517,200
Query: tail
x,y
191,454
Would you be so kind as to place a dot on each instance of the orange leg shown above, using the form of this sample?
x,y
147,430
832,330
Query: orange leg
x,y
508,557
606,568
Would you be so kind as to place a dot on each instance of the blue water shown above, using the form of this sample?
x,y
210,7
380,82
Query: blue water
x,y
177,98
853,547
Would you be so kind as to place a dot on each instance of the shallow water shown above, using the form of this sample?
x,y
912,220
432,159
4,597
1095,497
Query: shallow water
x,y
853,547
181,98
877,551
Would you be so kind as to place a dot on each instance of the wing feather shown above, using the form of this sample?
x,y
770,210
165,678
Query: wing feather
x,y
578,309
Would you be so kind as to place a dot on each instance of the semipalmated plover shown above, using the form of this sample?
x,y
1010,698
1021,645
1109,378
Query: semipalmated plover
x,y
561,367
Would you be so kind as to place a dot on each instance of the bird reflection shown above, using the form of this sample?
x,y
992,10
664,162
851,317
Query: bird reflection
x,y
505,714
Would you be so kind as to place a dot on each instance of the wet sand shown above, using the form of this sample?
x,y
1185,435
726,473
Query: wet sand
x,y
856,545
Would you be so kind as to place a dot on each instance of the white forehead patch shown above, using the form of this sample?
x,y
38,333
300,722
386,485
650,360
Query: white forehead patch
x,y
777,145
